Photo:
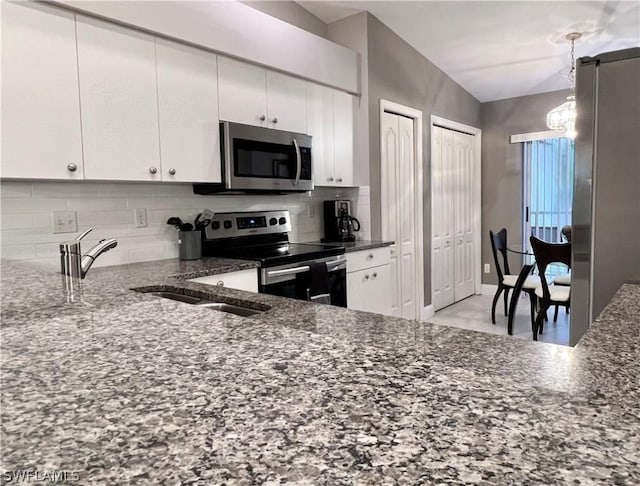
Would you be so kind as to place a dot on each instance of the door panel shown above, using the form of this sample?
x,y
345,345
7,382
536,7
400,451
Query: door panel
x,y
464,150
242,92
406,216
286,103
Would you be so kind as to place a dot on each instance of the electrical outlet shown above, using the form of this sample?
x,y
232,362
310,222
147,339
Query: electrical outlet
x,y
141,218
64,222
487,268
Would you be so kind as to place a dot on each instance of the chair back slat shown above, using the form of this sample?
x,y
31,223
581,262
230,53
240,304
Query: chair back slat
x,y
499,245
547,253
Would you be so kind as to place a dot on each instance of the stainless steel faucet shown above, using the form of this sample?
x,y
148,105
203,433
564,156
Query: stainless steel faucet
x,y
76,265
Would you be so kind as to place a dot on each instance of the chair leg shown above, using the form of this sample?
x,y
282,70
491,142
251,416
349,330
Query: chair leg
x,y
506,300
532,301
495,301
555,314
539,320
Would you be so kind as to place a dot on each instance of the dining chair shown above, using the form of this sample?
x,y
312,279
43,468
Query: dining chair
x,y
545,254
508,281
564,278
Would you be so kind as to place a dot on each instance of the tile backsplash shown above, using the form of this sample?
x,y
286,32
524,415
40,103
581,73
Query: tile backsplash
x,y
27,222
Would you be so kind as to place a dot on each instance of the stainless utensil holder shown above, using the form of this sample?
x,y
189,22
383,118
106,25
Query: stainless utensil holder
x,y
189,245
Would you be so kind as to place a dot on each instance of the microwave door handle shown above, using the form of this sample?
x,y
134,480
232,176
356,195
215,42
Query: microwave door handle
x,y
298,160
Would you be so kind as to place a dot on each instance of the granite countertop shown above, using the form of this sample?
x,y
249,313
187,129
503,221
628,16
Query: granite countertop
x,y
128,388
358,245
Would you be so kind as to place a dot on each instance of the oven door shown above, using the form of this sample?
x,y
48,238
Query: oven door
x,y
257,158
284,280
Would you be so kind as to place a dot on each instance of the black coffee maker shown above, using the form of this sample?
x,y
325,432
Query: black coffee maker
x,y
339,225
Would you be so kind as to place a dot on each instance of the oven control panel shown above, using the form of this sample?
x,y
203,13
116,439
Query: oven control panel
x,y
231,225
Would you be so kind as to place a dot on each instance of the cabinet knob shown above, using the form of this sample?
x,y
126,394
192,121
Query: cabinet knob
x,y
366,277
275,120
172,171
339,179
153,170
220,283
370,256
374,275
262,118
72,167
329,179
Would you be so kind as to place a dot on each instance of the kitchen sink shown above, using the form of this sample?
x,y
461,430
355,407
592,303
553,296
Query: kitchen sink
x,y
206,301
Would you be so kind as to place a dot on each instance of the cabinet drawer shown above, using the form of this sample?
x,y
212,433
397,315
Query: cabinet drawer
x,y
359,260
242,280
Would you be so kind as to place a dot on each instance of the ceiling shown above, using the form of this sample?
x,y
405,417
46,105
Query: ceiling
x,y
500,49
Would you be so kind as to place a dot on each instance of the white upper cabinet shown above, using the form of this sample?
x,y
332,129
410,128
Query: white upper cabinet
x,y
242,92
320,125
286,103
118,99
188,113
255,96
343,137
41,135
330,123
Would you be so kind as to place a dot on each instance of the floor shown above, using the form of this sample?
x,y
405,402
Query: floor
x,y
474,313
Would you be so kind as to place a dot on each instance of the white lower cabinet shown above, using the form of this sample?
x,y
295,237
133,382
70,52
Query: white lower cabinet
x,y
368,283
241,280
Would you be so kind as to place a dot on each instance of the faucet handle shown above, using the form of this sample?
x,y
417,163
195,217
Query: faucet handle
x,y
84,234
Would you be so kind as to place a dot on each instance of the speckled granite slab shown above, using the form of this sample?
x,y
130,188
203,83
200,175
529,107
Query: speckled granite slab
x,y
129,388
350,246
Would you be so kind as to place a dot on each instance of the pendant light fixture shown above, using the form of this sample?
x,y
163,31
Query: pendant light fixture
x,y
563,117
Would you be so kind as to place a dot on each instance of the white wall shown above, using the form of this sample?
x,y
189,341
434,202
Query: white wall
x,y
27,225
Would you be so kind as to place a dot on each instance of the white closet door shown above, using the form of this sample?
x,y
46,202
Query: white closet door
x,y
389,159
442,224
463,221
406,216
398,179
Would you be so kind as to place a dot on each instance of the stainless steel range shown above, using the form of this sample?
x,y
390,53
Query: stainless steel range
x,y
295,270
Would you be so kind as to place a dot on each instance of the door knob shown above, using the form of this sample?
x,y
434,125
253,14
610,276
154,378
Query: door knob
x,y
153,170
275,120
72,167
172,171
262,118
339,179
374,275
366,277
329,179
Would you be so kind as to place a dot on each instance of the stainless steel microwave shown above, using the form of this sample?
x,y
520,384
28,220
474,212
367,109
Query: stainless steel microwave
x,y
256,159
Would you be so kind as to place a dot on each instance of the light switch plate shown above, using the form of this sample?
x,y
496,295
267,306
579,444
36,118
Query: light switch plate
x,y
65,222
487,268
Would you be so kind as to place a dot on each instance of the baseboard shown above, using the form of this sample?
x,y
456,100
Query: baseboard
x,y
489,289
427,312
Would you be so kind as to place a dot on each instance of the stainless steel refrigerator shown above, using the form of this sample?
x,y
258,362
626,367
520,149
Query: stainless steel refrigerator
x,y
606,205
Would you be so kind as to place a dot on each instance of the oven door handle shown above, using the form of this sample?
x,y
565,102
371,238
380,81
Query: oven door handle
x,y
298,162
332,266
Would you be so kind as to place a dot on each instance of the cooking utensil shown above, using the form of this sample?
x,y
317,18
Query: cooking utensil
x,y
202,224
175,221
186,227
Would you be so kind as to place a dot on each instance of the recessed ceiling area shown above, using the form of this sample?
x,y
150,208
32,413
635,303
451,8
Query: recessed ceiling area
x,y
498,50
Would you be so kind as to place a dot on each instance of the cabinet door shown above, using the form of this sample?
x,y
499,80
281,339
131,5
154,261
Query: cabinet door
x,y
41,135
286,103
368,290
118,102
343,135
242,92
320,127
188,113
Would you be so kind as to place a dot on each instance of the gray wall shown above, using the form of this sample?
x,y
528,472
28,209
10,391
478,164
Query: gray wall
x,y
502,165
616,219
399,73
291,13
